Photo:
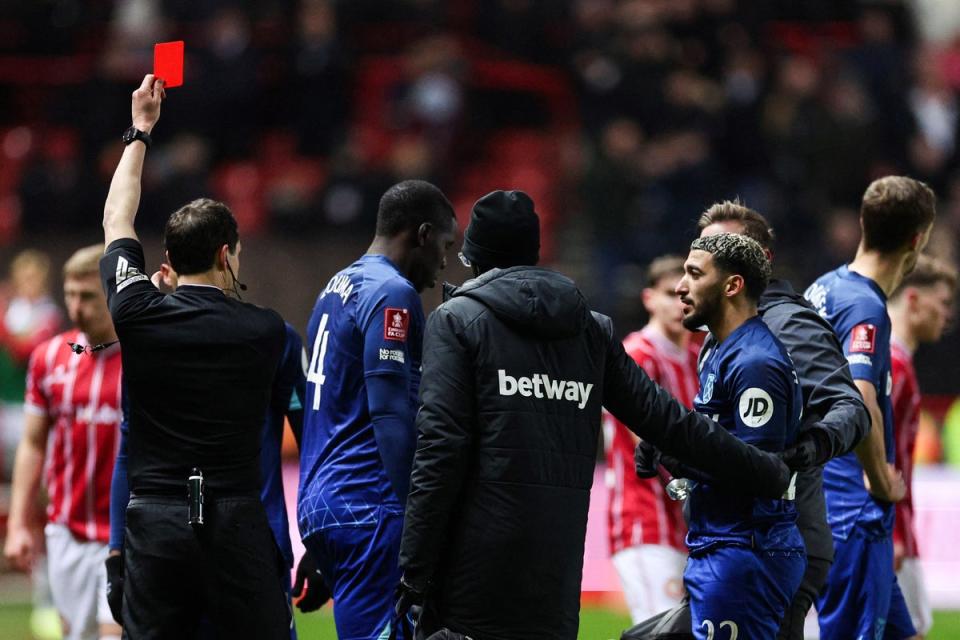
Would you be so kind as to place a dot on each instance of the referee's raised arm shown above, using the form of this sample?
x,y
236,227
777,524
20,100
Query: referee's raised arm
x,y
123,198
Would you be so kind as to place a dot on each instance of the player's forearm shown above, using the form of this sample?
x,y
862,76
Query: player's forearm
x,y
123,199
27,471
871,453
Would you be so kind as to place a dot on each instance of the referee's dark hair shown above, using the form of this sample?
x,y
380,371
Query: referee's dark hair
x,y
408,204
195,232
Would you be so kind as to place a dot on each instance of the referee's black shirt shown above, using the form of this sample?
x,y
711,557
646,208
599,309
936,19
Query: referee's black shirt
x,y
198,367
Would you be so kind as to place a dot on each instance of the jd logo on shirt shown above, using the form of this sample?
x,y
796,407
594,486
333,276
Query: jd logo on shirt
x,y
756,407
543,386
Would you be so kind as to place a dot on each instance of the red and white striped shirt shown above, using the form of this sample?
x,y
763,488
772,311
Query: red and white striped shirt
x,y
80,394
640,512
905,397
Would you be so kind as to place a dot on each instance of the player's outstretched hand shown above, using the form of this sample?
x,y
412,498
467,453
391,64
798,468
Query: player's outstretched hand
x,y
146,103
310,592
646,460
115,586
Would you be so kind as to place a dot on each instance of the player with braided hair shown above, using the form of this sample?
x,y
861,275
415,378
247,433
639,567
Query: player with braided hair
x,y
746,553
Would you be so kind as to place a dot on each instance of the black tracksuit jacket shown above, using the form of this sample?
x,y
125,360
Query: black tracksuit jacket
x,y
515,371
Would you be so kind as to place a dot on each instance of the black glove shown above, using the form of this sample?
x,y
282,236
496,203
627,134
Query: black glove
x,y
407,596
310,592
115,586
811,449
679,469
646,459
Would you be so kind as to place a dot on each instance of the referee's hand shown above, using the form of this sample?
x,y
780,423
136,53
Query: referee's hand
x,y
115,585
310,592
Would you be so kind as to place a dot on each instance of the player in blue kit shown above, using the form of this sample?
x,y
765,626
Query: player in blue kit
x,y
862,599
746,554
365,336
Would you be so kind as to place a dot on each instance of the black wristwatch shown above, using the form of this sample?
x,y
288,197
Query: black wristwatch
x,y
133,134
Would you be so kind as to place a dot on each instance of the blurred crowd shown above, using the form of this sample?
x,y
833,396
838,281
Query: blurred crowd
x,y
623,118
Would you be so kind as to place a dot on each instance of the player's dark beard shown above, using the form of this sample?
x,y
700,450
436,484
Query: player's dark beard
x,y
704,312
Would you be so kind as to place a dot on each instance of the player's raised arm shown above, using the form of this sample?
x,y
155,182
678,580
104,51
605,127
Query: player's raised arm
x,y
123,198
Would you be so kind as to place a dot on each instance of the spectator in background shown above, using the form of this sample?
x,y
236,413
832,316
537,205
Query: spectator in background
x,y
28,316
320,81
919,311
646,528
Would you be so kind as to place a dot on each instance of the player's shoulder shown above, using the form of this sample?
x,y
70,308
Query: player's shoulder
x,y
376,279
755,347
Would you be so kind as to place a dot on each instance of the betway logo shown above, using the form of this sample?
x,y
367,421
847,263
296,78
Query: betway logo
x,y
543,386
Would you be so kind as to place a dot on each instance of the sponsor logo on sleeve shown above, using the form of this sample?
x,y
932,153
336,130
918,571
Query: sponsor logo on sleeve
x,y
756,407
863,338
396,355
396,322
127,274
859,358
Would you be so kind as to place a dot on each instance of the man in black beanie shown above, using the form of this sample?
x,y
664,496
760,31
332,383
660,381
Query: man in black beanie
x,y
515,371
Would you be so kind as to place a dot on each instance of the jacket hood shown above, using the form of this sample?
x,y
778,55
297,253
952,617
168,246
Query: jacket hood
x,y
780,292
530,300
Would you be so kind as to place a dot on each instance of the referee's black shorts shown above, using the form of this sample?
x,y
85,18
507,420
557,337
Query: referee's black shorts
x,y
228,569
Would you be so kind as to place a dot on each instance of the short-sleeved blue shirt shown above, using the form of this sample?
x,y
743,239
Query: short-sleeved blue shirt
x,y
856,307
749,386
368,321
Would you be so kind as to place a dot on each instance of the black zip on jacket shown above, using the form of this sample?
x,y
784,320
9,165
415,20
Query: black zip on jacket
x,y
515,372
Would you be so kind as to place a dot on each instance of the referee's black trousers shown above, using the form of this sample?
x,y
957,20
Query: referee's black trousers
x,y
227,569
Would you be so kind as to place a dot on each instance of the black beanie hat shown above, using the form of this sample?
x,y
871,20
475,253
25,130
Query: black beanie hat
x,y
504,231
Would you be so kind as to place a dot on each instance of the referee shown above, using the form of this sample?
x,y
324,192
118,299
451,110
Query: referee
x,y
198,368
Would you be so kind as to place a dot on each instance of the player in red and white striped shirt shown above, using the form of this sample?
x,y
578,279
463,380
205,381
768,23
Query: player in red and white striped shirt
x,y
72,404
919,310
646,528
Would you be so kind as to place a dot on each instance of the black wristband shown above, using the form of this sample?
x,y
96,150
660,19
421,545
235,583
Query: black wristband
x,y
132,134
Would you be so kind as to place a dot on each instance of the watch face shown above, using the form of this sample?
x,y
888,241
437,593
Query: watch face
x,y
129,135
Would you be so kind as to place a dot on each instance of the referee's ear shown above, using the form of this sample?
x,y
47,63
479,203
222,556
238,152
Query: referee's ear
x,y
221,258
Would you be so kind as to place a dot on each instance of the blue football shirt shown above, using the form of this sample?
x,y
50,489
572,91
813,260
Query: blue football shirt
x,y
368,321
749,386
856,307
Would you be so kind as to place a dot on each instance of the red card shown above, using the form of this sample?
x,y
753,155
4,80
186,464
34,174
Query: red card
x,y
168,63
